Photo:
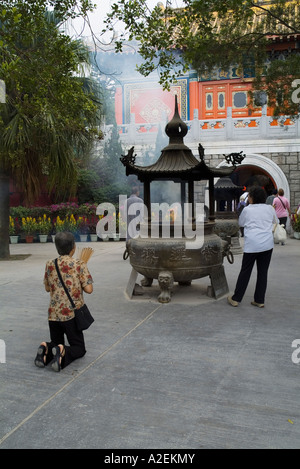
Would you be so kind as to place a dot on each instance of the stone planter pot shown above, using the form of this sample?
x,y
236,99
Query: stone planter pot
x,y
53,238
14,239
227,225
297,234
116,237
83,237
43,238
94,237
29,238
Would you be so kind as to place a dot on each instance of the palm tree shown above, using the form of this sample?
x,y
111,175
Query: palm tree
x,y
50,119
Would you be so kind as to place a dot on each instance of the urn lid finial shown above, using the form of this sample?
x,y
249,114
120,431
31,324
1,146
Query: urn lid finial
x,y
176,129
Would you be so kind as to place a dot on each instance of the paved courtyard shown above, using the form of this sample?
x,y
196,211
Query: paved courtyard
x,y
194,373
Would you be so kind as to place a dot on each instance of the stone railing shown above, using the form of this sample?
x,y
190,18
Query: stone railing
x,y
247,128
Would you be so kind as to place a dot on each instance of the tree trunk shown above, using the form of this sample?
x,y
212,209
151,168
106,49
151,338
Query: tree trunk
x,y
4,215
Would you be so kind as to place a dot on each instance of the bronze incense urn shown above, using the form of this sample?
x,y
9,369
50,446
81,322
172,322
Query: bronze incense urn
x,y
163,250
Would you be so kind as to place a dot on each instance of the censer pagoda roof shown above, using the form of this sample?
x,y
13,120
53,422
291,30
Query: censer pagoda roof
x,y
226,183
176,161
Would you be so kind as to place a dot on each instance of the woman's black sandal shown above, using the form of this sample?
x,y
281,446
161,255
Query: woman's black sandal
x,y
57,354
40,356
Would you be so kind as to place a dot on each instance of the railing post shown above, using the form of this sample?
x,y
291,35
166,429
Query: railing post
x,y
263,128
229,124
132,129
195,125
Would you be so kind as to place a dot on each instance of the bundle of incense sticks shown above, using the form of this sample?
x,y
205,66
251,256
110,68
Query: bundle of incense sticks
x,y
84,254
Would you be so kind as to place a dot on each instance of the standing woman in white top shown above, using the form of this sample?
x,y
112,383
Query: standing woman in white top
x,y
257,219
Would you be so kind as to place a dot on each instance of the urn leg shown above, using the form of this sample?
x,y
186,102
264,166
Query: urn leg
x,y
147,282
165,281
219,283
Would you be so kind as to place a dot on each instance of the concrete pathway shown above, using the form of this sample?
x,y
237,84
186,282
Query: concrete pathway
x,y
195,373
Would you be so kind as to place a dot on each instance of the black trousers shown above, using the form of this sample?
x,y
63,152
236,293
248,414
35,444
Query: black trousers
x,y
262,260
282,221
76,347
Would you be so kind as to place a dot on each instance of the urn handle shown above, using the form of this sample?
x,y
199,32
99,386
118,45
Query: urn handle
x,y
226,250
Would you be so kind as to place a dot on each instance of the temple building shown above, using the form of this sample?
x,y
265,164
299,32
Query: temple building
x,y
216,109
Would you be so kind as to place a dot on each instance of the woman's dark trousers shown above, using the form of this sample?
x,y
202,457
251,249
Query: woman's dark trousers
x,y
262,261
282,221
76,347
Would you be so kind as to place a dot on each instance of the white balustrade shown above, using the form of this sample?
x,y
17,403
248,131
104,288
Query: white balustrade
x,y
231,128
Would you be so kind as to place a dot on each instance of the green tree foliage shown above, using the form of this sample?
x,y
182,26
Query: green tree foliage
x,y
213,33
50,118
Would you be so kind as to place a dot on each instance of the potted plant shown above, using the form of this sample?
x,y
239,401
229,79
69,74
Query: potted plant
x,y
14,237
58,225
83,228
295,221
70,224
44,227
29,226
122,226
92,224
112,227
116,235
67,224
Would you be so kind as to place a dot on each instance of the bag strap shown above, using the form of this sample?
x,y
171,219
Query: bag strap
x,y
62,282
282,202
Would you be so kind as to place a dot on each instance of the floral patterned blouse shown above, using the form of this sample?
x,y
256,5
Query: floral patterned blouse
x,y
76,276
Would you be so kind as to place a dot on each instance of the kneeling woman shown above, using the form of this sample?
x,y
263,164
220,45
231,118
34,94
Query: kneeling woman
x,y
257,219
77,278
